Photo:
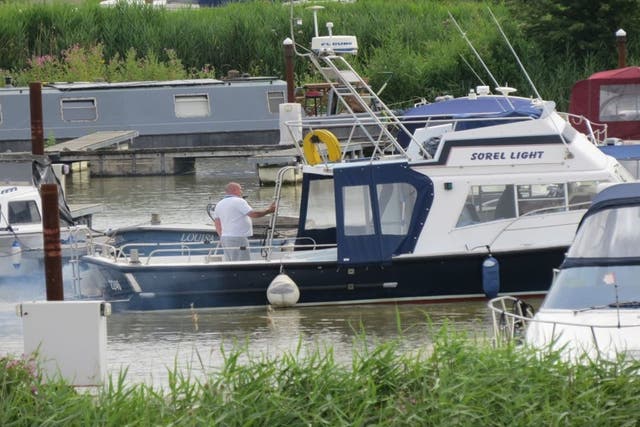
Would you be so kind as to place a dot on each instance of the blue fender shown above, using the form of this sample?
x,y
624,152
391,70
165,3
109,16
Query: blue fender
x,y
490,277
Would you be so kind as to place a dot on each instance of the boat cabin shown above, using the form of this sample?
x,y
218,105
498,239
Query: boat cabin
x,y
610,98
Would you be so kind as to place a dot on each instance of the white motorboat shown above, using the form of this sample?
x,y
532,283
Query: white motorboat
x,y
593,306
447,204
21,215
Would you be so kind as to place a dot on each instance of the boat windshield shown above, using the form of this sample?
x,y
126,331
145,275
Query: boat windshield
x,y
595,287
610,233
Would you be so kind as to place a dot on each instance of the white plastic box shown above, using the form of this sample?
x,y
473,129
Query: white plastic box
x,y
68,337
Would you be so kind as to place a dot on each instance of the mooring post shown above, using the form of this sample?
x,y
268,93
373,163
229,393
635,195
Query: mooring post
x,y
621,42
51,236
35,104
288,60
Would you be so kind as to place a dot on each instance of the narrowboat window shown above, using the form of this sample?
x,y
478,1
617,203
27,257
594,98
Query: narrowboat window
x,y
321,206
0,113
24,212
619,103
275,99
539,199
192,105
357,212
396,201
79,110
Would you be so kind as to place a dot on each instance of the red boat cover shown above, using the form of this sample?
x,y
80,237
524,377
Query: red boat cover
x,y
585,101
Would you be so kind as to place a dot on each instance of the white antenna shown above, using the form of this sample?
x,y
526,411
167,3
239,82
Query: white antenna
x,y
533,87
315,10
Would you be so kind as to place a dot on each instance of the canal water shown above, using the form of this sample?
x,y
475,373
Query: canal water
x,y
149,344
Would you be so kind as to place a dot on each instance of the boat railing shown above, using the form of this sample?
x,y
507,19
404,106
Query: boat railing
x,y
144,253
596,132
216,254
348,131
512,316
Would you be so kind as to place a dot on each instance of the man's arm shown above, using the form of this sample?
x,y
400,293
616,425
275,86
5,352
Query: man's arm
x,y
258,214
218,226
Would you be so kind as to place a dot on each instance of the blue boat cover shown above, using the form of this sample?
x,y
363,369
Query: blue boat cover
x,y
622,152
489,107
378,245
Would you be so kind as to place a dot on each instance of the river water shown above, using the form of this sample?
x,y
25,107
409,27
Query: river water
x,y
148,344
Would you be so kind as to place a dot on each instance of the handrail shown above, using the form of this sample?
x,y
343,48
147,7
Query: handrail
x,y
517,322
192,249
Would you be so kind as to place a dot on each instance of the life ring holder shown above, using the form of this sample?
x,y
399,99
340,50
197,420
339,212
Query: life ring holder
x,y
310,146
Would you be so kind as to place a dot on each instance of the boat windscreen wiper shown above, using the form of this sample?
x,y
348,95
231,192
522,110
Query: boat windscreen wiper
x,y
624,304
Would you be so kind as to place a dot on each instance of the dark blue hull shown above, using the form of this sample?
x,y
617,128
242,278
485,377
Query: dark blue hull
x,y
418,279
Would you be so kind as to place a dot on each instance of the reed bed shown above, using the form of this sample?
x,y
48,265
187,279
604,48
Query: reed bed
x,y
410,47
460,381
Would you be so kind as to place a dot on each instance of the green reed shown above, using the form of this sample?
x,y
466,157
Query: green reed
x,y
459,380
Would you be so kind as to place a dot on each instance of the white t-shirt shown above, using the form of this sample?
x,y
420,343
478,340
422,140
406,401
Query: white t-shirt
x,y
232,212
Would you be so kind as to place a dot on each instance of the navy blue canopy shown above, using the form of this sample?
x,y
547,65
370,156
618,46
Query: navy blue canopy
x,y
387,187
489,107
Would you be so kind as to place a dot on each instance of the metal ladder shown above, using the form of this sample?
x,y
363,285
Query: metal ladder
x,y
348,84
268,246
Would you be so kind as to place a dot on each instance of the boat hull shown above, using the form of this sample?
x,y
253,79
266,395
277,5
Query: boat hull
x,y
411,279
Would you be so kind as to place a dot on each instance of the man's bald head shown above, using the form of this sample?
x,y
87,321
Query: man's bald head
x,y
233,188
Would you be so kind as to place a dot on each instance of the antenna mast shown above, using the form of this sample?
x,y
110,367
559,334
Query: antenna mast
x,y
533,87
464,36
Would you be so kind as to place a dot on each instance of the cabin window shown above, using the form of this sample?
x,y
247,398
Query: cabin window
x,y
275,99
396,201
486,203
321,205
79,110
537,199
0,114
581,193
619,103
196,105
24,212
358,214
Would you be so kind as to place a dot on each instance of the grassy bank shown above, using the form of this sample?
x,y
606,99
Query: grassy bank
x,y
411,45
458,382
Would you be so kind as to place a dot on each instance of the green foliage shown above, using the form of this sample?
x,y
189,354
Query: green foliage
x,y
575,27
411,47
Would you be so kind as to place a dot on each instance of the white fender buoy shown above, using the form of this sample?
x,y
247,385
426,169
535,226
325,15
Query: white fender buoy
x,y
16,254
283,291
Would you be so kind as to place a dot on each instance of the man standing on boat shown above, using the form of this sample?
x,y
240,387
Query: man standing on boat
x,y
232,216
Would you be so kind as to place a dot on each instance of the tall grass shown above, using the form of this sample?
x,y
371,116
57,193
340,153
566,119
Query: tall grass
x,y
411,45
460,381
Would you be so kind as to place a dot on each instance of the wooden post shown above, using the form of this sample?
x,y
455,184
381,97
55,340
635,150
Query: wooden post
x,y
288,60
621,42
51,235
37,132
